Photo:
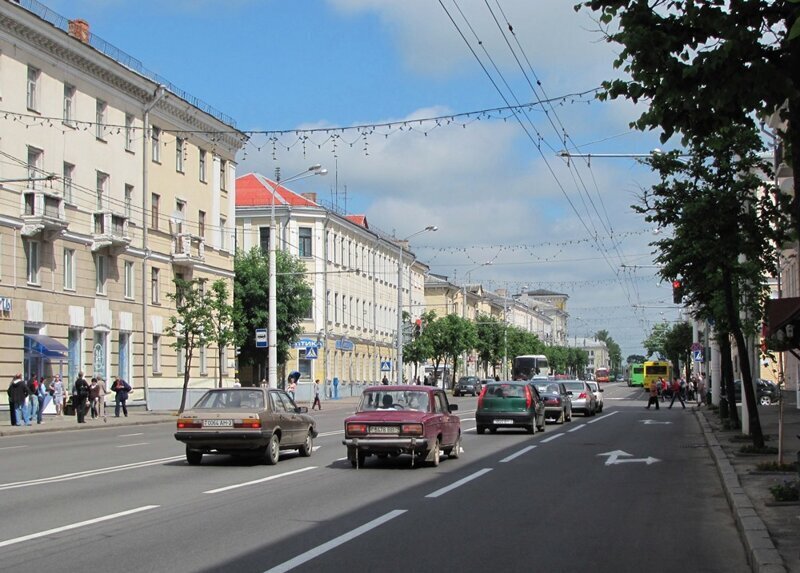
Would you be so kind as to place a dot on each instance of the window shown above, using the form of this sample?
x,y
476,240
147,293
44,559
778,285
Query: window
x,y
180,144
35,159
336,307
309,315
203,360
202,173
69,105
128,132
32,253
180,214
180,360
33,88
263,239
155,144
102,190
156,354
201,224
305,242
68,173
155,289
222,233
223,179
128,200
69,269
74,353
154,200
100,119
129,285
101,273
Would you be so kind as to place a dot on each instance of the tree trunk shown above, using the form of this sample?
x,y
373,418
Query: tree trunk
x,y
726,370
220,357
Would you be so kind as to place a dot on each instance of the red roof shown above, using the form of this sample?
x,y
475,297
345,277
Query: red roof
x,y
360,220
255,190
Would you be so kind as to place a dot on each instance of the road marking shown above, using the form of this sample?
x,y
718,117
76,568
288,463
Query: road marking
x,y
576,428
75,525
603,417
470,429
334,543
459,483
613,458
129,435
324,434
551,438
12,447
131,445
467,419
340,459
79,475
652,422
516,455
262,480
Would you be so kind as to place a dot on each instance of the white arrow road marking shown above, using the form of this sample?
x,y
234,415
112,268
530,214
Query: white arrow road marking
x,y
650,422
614,458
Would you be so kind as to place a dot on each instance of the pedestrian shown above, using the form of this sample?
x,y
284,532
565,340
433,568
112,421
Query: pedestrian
x,y
653,398
57,391
660,388
385,380
291,386
94,397
676,392
316,395
236,383
41,395
18,396
80,396
33,398
121,390
496,378
102,392
701,389
264,383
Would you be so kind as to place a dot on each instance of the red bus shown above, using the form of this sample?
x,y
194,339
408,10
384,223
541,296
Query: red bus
x,y
601,375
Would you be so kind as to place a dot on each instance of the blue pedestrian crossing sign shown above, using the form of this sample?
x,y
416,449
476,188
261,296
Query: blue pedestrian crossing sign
x,y
386,365
697,355
311,353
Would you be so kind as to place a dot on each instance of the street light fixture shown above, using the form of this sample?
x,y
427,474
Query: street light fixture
x,y
272,365
432,228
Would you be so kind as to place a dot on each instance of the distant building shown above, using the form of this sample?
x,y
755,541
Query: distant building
x,y
596,349
554,306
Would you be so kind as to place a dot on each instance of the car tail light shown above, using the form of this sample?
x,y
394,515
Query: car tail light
x,y
250,423
582,395
356,429
189,423
480,397
552,401
528,397
411,429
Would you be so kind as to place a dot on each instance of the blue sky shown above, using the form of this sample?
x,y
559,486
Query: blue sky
x,y
495,194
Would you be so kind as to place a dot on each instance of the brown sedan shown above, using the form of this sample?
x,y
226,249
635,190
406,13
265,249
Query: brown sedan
x,y
237,421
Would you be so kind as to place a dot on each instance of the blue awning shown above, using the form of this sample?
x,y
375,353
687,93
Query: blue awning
x,y
46,346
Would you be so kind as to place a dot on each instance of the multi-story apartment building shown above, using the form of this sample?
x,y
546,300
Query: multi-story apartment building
x,y
353,274
553,306
597,351
114,183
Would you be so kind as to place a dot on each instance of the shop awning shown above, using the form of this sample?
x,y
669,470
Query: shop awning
x,y
46,346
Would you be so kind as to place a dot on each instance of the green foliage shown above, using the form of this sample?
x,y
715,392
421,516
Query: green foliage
x,y
786,491
420,348
456,335
678,344
489,345
635,359
614,350
222,331
654,343
577,360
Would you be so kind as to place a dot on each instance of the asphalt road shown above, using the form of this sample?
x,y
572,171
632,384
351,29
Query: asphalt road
x,y
612,493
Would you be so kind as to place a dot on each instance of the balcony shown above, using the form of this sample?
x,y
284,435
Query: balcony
x,y
188,250
42,214
110,232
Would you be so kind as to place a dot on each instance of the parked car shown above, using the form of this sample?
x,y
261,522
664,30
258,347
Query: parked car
x,y
395,420
467,385
557,402
510,404
583,399
253,421
598,395
767,391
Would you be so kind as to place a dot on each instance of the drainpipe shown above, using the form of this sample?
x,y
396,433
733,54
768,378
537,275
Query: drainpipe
x,y
157,95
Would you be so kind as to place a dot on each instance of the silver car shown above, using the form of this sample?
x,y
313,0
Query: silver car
x,y
598,394
583,399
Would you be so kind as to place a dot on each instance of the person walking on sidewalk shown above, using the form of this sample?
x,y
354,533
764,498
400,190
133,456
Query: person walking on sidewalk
x,y
653,399
316,395
57,391
121,390
676,392
94,394
80,396
18,396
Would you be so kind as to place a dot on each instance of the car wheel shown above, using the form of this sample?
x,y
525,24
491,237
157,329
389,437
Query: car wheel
x,y
480,429
308,445
562,415
531,428
541,428
455,451
273,450
765,401
569,415
434,454
193,457
455,394
492,430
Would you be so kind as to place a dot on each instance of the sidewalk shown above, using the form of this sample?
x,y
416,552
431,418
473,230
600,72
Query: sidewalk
x,y
770,530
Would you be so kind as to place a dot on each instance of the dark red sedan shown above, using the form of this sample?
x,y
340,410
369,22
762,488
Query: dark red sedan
x,y
394,420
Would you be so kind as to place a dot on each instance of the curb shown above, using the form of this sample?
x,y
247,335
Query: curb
x,y
762,554
48,429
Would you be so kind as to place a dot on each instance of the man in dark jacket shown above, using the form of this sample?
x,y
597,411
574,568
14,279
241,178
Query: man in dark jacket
x,y
121,390
17,398
80,395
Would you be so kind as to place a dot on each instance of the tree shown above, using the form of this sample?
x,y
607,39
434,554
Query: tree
x,y
557,358
489,344
678,345
654,343
251,302
578,360
190,325
458,335
635,359
419,349
614,351
222,332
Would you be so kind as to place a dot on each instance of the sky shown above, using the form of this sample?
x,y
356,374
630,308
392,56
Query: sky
x,y
511,211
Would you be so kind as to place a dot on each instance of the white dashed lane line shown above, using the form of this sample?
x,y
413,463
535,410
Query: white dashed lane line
x,y
459,483
517,454
12,447
551,438
603,417
576,428
262,480
130,435
131,445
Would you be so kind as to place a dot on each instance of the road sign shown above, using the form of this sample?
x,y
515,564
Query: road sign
x,y
386,365
697,355
697,346
345,345
614,458
311,353
261,338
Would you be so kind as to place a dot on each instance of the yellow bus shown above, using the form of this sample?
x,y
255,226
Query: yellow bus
x,y
653,370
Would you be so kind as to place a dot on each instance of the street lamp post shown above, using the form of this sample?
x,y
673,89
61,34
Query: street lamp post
x,y
400,298
272,366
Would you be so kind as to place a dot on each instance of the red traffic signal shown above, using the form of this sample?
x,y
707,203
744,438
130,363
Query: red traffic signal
x,y
677,291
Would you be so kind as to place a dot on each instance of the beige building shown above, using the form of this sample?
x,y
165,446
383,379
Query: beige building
x,y
114,184
597,351
353,274
553,307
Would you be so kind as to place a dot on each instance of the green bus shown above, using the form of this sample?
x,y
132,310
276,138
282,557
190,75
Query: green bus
x,y
635,375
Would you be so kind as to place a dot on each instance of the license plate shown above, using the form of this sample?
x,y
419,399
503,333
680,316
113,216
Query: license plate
x,y
498,422
384,430
217,423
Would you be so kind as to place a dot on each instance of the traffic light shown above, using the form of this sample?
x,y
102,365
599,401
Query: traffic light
x,y
417,328
677,291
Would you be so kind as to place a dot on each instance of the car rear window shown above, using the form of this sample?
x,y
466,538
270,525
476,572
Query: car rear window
x,y
574,385
505,391
252,399
394,400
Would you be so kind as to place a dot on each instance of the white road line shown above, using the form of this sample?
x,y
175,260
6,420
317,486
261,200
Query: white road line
x,y
75,525
340,459
12,447
334,543
467,419
79,475
262,480
551,438
129,435
459,483
469,429
576,428
131,445
603,417
516,455
324,434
